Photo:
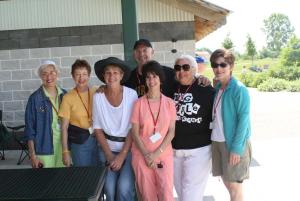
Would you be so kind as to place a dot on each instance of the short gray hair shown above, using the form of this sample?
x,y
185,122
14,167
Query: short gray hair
x,y
44,65
191,60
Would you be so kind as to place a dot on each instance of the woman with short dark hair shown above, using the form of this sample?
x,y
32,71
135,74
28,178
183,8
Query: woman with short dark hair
x,y
76,114
153,124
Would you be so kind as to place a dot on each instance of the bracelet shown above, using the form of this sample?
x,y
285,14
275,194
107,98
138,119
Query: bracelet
x,y
66,151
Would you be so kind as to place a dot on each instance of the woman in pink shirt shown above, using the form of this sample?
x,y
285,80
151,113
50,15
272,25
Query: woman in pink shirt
x,y
153,125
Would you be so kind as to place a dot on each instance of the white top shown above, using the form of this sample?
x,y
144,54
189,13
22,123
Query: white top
x,y
112,120
218,130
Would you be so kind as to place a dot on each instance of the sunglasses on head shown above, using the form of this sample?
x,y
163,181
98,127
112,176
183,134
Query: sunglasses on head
x,y
216,65
185,67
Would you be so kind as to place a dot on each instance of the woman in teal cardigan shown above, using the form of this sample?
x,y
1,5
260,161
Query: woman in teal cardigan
x,y
231,149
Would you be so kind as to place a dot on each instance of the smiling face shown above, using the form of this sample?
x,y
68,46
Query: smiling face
x,y
153,81
142,54
81,77
222,73
184,76
49,76
113,75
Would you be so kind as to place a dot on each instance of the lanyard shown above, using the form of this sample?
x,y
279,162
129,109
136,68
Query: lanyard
x,y
182,95
216,103
154,120
53,106
138,78
86,108
140,87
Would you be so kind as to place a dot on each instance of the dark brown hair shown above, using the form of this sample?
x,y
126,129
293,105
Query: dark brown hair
x,y
226,54
153,67
81,63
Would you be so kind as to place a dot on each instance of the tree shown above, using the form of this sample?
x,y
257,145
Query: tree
x,y
227,43
278,30
265,52
250,48
290,55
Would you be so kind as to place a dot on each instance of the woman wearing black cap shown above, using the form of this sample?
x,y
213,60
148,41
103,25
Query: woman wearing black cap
x,y
111,122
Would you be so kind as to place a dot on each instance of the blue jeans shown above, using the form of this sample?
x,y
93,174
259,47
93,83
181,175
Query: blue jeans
x,y
84,154
119,185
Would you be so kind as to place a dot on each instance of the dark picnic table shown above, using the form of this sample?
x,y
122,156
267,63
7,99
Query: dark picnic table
x,y
52,184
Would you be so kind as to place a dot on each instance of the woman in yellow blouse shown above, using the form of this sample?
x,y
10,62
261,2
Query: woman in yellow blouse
x,y
76,114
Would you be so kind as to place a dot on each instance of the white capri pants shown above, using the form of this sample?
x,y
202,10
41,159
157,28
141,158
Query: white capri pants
x,y
191,171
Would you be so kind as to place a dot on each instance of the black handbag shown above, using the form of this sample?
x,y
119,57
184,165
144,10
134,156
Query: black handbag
x,y
77,135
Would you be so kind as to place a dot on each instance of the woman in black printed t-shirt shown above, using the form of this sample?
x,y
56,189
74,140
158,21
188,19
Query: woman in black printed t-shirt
x,y
191,144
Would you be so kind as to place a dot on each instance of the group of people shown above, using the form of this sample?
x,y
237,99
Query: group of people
x,y
154,127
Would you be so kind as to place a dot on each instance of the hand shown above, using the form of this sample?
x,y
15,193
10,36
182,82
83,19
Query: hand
x,y
67,159
150,159
35,162
109,158
215,81
234,159
117,163
100,89
203,81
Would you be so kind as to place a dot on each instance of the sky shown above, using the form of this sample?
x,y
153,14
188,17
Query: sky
x,y
247,18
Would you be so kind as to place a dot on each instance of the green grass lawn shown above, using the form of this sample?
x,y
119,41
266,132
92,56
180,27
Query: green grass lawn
x,y
272,63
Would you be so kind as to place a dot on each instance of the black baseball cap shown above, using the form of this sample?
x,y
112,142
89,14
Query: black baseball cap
x,y
142,41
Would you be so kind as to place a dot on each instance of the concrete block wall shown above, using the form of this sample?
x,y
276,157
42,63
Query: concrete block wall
x,y
18,78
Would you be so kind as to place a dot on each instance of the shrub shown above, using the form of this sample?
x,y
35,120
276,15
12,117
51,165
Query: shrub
x,y
290,55
258,79
273,85
253,79
287,73
246,79
294,86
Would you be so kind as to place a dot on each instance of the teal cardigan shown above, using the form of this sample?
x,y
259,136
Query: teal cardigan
x,y
236,115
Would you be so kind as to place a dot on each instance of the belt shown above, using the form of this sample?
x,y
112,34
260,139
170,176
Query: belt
x,y
114,138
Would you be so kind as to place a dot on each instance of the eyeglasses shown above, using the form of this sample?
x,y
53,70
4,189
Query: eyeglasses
x,y
46,74
185,67
216,65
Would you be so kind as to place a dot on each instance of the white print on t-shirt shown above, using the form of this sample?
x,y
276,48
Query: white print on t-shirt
x,y
185,107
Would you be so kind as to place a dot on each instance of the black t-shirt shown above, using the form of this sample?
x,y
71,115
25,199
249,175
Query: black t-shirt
x,y
194,114
137,82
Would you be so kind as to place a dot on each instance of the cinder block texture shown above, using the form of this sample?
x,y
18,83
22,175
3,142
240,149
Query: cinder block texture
x,y
19,54
13,105
18,77
4,54
5,75
11,85
40,53
21,75
10,64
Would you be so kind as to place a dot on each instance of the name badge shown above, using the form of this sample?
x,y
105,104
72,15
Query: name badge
x,y
58,126
91,130
154,138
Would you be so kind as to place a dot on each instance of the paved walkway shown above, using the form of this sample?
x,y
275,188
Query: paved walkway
x,y
275,170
